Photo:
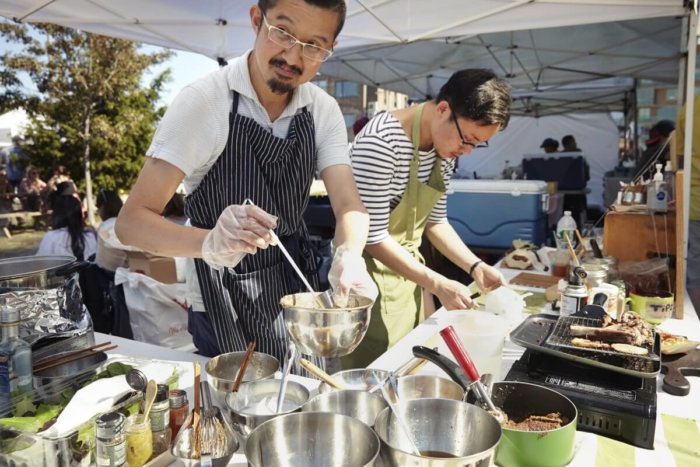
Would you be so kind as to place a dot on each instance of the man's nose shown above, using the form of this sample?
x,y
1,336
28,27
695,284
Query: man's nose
x,y
293,55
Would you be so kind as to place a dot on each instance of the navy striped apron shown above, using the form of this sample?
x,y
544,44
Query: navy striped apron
x,y
242,303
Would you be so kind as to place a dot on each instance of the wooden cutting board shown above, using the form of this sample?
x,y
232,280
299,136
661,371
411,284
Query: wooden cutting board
x,y
676,368
529,279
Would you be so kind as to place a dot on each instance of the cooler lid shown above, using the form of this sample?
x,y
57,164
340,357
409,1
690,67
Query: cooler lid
x,y
514,187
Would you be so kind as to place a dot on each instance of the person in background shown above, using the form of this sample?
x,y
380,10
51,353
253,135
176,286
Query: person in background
x,y
550,145
32,186
109,255
256,130
359,124
402,162
15,159
174,211
569,144
69,236
657,149
59,175
693,262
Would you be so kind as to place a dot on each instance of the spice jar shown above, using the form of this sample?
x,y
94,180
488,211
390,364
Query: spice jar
x,y
179,409
139,441
110,440
160,421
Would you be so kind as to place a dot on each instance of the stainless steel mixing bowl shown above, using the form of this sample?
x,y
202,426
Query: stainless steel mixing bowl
x,y
312,439
222,370
326,332
447,433
358,379
182,447
427,387
245,416
360,405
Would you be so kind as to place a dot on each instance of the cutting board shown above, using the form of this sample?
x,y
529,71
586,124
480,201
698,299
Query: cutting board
x,y
676,368
529,279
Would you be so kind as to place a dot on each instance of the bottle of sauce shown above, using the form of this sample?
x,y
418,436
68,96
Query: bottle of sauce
x,y
179,409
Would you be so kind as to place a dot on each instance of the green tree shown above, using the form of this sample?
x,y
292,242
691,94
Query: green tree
x,y
88,111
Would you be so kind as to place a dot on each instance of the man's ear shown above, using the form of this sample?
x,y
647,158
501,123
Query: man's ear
x,y
255,18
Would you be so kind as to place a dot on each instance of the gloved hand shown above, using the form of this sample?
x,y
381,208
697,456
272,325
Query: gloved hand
x,y
348,273
238,231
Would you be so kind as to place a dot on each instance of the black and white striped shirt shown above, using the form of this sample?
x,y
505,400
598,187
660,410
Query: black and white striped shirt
x,y
381,161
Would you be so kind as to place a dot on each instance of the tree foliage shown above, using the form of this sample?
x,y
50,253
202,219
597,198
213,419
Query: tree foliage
x,y
89,110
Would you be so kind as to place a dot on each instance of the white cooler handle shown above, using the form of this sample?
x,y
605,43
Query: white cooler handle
x,y
545,202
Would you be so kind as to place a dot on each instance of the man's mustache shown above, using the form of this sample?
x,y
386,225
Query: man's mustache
x,y
280,62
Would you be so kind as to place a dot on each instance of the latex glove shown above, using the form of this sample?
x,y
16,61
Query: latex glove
x,y
454,295
487,277
348,273
240,230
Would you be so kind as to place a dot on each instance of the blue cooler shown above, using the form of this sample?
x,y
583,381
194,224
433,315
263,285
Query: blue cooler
x,y
493,213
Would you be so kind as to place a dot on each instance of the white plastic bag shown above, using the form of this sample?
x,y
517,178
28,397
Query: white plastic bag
x,y
157,311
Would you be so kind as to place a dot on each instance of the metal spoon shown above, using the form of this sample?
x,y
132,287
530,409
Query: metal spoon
x,y
399,416
288,362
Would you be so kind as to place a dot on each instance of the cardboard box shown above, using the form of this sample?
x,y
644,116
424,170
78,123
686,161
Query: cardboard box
x,y
160,268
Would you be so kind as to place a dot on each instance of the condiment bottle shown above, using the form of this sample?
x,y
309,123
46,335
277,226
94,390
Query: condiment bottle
x,y
575,296
110,440
179,409
139,440
160,421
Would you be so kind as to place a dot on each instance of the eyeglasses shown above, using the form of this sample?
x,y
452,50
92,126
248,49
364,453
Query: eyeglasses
x,y
466,143
286,40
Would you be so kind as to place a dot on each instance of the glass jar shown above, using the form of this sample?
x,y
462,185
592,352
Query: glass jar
x,y
179,409
160,421
110,440
139,440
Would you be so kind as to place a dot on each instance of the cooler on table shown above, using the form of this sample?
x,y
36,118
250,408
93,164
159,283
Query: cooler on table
x,y
493,213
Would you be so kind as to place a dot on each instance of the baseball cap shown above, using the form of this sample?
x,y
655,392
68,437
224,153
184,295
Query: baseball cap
x,y
550,143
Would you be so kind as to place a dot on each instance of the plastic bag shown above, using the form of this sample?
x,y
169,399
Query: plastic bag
x,y
157,311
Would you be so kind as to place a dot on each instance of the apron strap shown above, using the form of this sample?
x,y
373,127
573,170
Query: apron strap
x,y
413,174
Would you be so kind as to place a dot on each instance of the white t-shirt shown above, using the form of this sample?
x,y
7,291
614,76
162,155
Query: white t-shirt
x,y
381,162
57,242
194,130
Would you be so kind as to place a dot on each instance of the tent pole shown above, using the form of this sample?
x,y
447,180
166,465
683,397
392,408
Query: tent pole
x,y
689,104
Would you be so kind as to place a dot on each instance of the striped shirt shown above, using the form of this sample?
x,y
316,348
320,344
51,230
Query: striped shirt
x,y
381,162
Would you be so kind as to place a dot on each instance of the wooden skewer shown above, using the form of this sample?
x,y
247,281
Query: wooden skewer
x,y
320,374
244,364
196,447
580,240
72,356
571,249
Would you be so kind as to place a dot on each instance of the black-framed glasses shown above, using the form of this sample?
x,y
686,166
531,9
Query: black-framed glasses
x,y
466,143
286,40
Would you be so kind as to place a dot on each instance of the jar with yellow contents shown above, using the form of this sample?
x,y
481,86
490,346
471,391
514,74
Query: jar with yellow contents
x,y
139,440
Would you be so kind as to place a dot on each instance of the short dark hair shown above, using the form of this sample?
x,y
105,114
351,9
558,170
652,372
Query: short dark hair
x,y
478,94
334,5
568,139
109,203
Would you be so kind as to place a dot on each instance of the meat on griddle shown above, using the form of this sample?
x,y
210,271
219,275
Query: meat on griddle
x,y
612,333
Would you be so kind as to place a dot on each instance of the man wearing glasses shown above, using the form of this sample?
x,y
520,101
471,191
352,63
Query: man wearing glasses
x,y
254,130
403,161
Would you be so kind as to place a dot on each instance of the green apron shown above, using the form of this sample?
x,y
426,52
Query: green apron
x,y
399,306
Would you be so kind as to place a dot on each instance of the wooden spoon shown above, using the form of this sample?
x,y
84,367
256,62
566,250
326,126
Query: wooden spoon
x,y
149,397
320,374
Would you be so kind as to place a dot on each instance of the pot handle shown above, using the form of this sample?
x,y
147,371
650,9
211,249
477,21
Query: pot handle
x,y
68,269
447,365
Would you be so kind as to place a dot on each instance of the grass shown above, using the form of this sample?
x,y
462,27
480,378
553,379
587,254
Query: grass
x,y
23,243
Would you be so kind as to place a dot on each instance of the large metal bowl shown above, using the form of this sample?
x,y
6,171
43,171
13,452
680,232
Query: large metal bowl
x,y
326,332
360,405
312,439
182,447
427,387
245,419
447,433
222,370
357,379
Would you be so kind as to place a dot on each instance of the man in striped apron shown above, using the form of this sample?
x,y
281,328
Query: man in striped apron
x,y
254,130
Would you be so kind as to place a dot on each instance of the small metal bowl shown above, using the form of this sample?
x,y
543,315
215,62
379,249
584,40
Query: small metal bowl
x,y
312,439
332,332
358,379
360,405
222,370
238,403
427,387
182,447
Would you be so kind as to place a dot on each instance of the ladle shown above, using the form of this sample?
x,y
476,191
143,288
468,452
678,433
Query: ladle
x,y
286,254
288,362
397,413
450,337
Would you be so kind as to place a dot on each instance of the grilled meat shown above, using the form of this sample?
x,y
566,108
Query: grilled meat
x,y
612,333
588,344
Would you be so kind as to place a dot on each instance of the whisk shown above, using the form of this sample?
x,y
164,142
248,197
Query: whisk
x,y
211,437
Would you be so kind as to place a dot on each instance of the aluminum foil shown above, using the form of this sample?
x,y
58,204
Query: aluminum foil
x,y
57,312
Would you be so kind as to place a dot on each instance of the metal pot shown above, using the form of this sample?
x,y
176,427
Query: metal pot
x,y
312,439
36,272
447,433
357,379
360,405
427,387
